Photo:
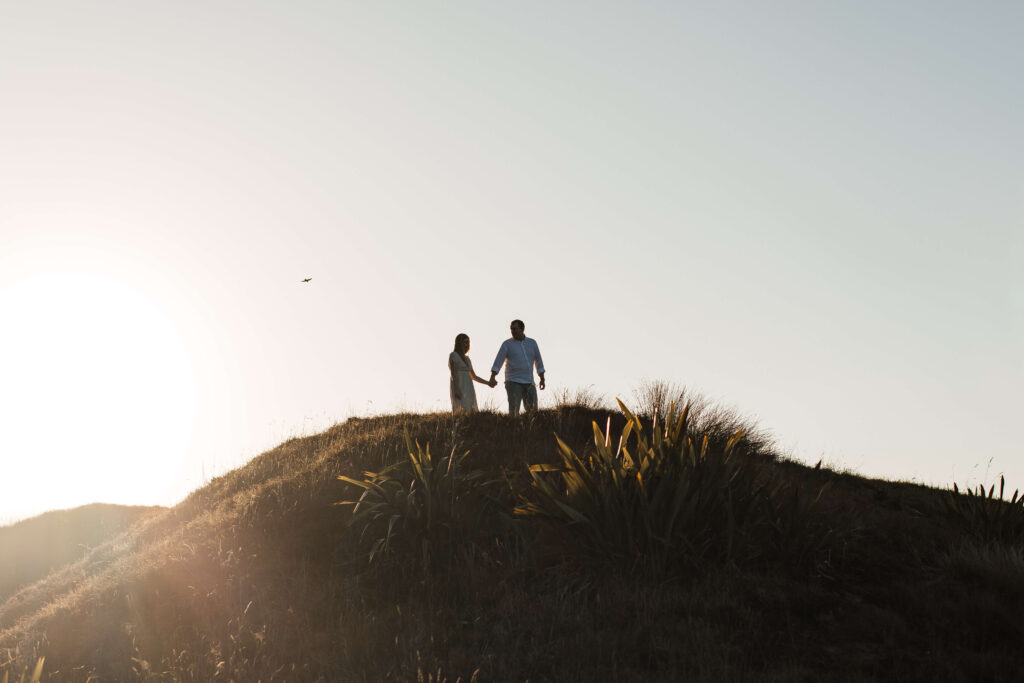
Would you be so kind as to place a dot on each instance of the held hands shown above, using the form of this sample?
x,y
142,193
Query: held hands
x,y
492,383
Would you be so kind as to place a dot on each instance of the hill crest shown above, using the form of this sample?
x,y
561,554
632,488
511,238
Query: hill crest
x,y
257,575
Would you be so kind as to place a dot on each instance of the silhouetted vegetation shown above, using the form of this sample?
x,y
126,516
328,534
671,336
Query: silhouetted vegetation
x,y
674,499
638,545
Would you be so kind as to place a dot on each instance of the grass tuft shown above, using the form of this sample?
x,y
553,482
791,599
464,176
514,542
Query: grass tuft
x,y
587,398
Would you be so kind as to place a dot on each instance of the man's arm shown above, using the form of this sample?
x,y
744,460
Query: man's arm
x,y
499,360
539,362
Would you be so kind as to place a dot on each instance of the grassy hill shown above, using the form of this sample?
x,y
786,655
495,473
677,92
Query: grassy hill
x,y
32,548
720,562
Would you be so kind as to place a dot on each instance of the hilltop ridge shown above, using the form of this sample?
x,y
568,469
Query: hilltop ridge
x,y
259,576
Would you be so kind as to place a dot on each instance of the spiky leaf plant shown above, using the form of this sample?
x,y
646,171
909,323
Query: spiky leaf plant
x,y
670,499
987,517
661,499
798,536
421,508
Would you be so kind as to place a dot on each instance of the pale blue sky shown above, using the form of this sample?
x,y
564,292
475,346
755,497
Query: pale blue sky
x,y
809,211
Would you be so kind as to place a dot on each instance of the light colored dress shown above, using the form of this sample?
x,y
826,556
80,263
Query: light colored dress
x,y
462,367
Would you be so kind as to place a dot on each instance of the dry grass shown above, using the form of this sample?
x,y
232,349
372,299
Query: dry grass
x,y
259,576
587,398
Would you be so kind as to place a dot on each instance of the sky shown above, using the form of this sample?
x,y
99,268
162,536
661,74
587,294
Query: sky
x,y
810,212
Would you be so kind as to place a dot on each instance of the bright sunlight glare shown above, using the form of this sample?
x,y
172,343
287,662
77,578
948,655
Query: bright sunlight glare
x,y
97,396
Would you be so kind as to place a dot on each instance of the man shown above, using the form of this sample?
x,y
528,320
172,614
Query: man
x,y
521,354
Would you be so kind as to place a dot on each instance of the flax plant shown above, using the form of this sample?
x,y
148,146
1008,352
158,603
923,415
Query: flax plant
x,y
987,517
420,508
797,535
662,498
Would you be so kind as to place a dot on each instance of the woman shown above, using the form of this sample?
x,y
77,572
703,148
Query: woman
x,y
461,386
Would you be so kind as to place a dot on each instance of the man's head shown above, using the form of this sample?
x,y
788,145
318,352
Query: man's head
x,y
518,328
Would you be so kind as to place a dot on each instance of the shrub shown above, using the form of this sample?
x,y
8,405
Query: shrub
x,y
669,500
660,499
986,517
420,508
799,535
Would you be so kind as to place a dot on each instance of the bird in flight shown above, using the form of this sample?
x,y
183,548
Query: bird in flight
x,y
307,279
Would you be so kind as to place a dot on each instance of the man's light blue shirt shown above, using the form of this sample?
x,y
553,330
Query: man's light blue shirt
x,y
521,357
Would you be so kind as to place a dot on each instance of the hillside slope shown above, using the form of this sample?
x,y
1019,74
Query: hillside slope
x,y
257,576
32,548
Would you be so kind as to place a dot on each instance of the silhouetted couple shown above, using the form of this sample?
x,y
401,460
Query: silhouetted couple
x,y
519,354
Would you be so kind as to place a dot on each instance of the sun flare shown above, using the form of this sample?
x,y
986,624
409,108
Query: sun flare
x,y
98,396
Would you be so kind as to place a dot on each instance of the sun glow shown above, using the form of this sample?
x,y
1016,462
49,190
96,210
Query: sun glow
x,y
97,394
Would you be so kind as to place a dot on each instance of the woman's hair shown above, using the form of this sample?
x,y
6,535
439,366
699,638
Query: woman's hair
x,y
458,338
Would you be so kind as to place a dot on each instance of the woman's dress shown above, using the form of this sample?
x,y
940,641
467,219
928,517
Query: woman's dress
x,y
462,366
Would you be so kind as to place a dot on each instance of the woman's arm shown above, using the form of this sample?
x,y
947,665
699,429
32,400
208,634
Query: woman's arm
x,y
455,385
474,375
